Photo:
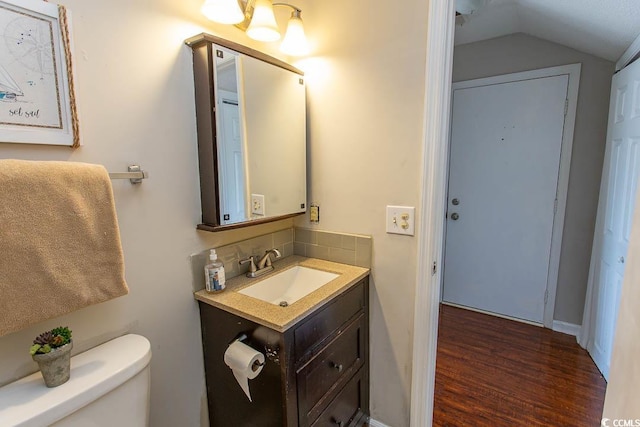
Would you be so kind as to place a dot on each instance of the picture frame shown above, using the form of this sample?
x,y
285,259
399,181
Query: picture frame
x,y
37,99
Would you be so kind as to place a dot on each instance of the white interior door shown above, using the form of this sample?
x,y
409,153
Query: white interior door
x,y
506,142
615,209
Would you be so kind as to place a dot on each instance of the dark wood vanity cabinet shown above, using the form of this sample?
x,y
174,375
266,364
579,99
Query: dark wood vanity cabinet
x,y
316,373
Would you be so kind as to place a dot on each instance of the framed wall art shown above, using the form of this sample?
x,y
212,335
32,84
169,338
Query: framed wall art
x,y
37,101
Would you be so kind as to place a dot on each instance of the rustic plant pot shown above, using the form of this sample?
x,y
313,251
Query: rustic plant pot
x,y
55,365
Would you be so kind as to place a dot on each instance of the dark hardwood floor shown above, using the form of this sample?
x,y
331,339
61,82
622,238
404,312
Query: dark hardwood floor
x,y
497,372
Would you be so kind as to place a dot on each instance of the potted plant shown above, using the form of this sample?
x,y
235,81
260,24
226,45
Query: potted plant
x,y
52,351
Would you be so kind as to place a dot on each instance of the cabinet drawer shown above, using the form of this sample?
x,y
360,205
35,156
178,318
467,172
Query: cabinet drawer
x,y
345,410
322,324
330,369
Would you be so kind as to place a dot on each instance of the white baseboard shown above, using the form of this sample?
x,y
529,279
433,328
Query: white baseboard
x,y
374,423
566,328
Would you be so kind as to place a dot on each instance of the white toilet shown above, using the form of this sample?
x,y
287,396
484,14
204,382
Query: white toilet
x,y
109,386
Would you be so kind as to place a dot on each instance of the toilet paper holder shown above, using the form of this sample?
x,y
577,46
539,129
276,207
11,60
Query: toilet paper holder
x,y
241,338
245,362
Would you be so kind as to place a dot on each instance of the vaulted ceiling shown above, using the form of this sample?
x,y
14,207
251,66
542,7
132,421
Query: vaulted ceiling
x,y
604,28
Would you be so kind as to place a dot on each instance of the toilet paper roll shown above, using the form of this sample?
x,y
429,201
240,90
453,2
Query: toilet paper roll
x,y
245,363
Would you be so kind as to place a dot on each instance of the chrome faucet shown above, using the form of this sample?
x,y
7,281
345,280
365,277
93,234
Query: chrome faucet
x,y
264,264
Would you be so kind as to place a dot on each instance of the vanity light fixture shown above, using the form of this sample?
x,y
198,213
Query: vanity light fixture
x,y
295,41
259,21
263,25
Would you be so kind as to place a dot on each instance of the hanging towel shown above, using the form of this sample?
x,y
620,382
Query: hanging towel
x,y
59,241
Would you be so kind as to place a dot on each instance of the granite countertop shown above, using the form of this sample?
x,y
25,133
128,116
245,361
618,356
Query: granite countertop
x,y
274,316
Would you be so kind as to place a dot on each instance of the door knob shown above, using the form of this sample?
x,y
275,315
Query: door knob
x,y
455,216
455,202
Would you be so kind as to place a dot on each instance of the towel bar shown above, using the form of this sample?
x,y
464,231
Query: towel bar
x,y
135,174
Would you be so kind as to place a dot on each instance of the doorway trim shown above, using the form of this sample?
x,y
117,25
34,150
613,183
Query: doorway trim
x,y
632,52
438,72
573,73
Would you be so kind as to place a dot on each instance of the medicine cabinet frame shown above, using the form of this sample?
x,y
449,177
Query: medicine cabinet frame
x,y
204,63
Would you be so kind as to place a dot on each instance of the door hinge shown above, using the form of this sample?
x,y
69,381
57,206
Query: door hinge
x,y
546,296
434,269
566,106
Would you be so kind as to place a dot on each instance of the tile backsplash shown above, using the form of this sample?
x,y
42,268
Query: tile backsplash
x,y
338,247
231,254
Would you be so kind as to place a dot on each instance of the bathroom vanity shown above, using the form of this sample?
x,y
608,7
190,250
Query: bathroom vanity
x,y
316,370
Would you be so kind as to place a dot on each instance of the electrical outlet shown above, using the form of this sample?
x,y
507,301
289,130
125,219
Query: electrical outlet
x,y
257,204
401,220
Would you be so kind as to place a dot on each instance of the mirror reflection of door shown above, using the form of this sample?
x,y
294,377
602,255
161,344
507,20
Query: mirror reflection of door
x,y
231,159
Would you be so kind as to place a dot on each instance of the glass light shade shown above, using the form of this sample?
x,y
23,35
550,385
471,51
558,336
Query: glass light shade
x,y
223,11
295,41
263,25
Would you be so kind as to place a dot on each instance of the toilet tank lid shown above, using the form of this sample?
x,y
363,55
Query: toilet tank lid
x,y
94,373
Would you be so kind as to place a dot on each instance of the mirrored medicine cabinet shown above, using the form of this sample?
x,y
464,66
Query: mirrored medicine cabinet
x,y
251,124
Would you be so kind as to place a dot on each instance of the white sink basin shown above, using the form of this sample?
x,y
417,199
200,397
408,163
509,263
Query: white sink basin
x,y
289,286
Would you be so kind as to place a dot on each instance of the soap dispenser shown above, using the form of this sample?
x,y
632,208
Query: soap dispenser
x,y
214,274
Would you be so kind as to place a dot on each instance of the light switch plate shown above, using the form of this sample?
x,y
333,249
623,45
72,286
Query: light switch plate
x,y
401,220
257,204
314,213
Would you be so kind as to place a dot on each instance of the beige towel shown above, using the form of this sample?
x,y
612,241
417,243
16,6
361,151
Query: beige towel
x,y
59,241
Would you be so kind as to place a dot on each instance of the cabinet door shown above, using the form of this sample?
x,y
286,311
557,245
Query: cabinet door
x,y
346,409
320,378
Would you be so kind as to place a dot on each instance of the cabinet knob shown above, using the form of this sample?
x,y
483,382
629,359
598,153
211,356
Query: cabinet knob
x,y
337,366
336,422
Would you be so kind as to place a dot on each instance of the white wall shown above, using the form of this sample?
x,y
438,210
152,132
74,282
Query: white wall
x,y
365,86
135,96
520,52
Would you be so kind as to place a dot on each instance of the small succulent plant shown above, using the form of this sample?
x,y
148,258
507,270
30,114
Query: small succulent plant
x,y
47,341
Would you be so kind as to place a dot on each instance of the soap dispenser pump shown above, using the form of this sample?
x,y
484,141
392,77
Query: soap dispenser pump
x,y
214,274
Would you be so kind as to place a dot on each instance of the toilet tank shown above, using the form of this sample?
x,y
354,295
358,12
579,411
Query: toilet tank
x,y
109,386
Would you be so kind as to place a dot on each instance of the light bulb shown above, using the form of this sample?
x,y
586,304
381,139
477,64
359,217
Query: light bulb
x,y
263,25
295,41
223,11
